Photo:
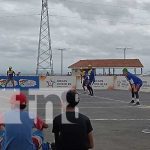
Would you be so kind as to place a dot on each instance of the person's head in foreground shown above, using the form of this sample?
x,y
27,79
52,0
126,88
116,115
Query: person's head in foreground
x,y
19,100
75,132
72,98
125,71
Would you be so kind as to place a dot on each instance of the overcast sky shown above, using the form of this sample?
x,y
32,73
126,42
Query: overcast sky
x,y
87,29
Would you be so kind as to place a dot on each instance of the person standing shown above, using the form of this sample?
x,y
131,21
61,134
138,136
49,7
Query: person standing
x,y
135,84
76,133
91,79
84,79
10,77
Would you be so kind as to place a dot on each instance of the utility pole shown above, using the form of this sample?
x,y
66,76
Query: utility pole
x,y
61,50
124,50
44,59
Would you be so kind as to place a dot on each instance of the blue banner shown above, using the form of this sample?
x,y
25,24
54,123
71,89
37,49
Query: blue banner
x,y
21,82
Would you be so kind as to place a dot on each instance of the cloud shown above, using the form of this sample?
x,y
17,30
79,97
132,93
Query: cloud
x,y
87,29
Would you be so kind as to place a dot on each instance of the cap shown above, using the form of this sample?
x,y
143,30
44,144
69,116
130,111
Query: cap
x,y
81,68
125,70
19,99
89,66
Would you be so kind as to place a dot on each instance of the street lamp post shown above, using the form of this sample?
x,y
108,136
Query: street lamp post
x,y
61,59
124,50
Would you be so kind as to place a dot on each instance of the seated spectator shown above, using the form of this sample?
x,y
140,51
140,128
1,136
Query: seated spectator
x,y
16,127
74,133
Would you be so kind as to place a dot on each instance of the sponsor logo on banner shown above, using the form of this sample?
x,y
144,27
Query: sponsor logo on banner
x,y
122,84
23,82
63,83
27,83
100,83
50,83
3,83
56,82
146,85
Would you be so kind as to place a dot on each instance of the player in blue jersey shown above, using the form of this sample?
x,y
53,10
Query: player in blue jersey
x,y
91,79
135,84
10,77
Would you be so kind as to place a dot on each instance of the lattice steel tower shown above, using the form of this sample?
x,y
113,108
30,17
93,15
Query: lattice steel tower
x,y
44,60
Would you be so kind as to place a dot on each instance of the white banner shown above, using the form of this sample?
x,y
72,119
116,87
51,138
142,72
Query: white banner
x,y
121,83
57,81
101,82
146,84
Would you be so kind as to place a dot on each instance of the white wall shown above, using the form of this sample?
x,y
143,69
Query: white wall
x,y
102,82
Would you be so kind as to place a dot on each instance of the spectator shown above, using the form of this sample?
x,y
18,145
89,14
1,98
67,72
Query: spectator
x,y
76,134
16,127
91,79
10,77
19,73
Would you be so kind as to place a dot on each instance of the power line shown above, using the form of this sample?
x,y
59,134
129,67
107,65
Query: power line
x,y
124,50
68,17
89,3
91,12
103,19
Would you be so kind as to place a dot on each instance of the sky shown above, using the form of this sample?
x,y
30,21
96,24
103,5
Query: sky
x,y
86,29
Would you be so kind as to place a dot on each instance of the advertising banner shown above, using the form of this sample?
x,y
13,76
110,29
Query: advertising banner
x,y
146,84
21,82
101,82
57,81
121,83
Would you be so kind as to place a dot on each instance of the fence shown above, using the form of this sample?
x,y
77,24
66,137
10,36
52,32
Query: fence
x,y
101,82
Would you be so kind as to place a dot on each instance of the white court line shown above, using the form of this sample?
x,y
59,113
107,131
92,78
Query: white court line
x,y
111,99
146,131
41,108
81,102
116,100
115,119
106,98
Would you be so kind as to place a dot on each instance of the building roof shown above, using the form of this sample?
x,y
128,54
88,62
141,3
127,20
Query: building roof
x,y
108,63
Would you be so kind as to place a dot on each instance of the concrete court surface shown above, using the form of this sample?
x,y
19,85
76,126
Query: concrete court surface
x,y
117,125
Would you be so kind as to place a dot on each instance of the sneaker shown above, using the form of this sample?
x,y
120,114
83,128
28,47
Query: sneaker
x,y
137,103
132,102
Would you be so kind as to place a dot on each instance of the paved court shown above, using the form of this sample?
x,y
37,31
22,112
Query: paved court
x,y
117,125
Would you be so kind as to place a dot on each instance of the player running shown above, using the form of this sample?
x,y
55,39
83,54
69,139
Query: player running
x,y
91,79
135,84
10,77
